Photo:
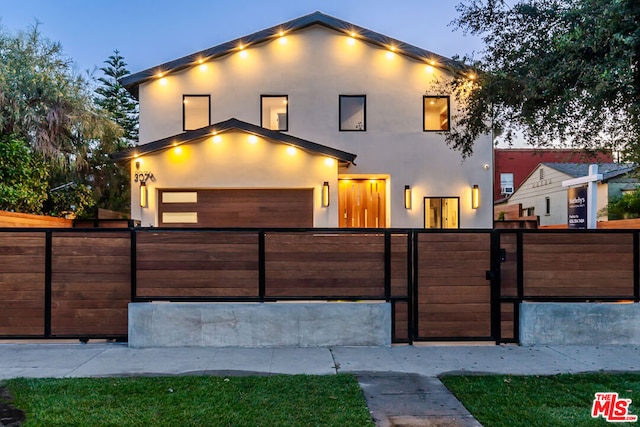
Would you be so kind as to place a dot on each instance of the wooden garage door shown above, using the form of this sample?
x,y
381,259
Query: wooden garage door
x,y
236,208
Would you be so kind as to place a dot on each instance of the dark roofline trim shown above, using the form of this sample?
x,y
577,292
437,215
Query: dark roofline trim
x,y
133,81
228,125
624,169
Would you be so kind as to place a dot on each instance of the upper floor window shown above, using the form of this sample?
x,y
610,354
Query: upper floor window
x,y
196,111
353,113
435,111
506,183
274,112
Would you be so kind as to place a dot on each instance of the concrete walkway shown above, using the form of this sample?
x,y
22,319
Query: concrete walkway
x,y
400,382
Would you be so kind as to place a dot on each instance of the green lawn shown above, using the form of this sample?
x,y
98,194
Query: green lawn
x,y
559,400
299,400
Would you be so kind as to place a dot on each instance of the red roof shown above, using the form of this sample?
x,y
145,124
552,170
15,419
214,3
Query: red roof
x,y
522,161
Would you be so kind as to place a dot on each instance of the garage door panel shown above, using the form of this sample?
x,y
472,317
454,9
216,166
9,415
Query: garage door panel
x,y
243,208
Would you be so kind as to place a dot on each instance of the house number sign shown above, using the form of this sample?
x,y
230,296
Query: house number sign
x,y
143,176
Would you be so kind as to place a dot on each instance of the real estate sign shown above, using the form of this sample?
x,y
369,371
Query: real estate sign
x,y
577,213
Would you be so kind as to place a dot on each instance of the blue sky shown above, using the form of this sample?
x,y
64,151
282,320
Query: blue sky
x,y
148,33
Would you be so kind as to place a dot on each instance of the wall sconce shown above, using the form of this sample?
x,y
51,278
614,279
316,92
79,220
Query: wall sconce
x,y
325,194
475,197
143,194
407,197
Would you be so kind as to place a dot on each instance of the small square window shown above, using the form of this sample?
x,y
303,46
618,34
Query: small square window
x,y
352,112
196,111
274,112
435,113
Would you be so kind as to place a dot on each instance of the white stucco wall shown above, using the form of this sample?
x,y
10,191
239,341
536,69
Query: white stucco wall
x,y
313,67
233,162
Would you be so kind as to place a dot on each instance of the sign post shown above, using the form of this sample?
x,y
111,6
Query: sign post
x,y
591,197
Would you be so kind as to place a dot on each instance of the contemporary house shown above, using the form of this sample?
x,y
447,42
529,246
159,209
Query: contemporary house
x,y
511,166
315,122
542,194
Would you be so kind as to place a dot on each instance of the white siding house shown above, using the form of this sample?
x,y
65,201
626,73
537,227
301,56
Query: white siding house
x,y
542,193
346,116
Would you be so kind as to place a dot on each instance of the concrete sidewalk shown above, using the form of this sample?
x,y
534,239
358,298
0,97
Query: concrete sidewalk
x,y
112,359
400,382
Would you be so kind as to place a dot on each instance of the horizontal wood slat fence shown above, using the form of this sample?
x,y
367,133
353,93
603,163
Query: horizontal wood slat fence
x,y
442,285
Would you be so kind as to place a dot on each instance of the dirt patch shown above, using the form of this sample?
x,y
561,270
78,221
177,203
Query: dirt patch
x,y
10,416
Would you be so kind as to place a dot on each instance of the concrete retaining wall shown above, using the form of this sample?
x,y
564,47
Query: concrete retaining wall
x,y
259,324
579,324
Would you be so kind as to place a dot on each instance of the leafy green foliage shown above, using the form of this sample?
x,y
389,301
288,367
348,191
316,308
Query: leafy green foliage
x,y
50,107
625,206
560,400
299,400
23,177
561,72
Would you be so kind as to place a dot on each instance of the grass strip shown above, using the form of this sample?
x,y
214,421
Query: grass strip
x,y
297,400
558,400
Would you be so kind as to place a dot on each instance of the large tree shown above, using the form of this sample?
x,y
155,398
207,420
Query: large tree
x,y
48,105
110,181
558,72
23,183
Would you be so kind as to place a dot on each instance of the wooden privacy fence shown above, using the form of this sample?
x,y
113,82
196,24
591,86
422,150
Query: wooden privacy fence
x,y
442,285
565,266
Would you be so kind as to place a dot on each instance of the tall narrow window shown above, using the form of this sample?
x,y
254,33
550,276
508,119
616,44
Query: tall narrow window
x,y
506,183
547,206
196,111
441,212
274,112
353,110
435,111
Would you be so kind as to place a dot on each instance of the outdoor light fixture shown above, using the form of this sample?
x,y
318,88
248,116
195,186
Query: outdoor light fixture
x,y
325,194
407,197
475,197
143,194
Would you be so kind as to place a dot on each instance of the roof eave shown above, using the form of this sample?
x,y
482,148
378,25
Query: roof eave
x,y
234,124
132,82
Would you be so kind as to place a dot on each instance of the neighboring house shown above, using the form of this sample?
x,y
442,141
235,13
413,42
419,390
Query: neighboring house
x,y
315,122
512,165
542,194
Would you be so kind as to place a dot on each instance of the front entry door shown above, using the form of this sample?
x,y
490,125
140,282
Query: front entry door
x,y
362,203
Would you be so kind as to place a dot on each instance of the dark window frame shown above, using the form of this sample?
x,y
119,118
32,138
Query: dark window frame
x,y
287,111
364,113
424,211
547,206
424,113
184,112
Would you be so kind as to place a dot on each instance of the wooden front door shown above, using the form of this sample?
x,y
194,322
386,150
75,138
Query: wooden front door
x,y
362,203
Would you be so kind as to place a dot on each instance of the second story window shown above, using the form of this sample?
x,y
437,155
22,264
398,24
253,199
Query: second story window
x,y
506,183
274,112
353,113
196,111
435,115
